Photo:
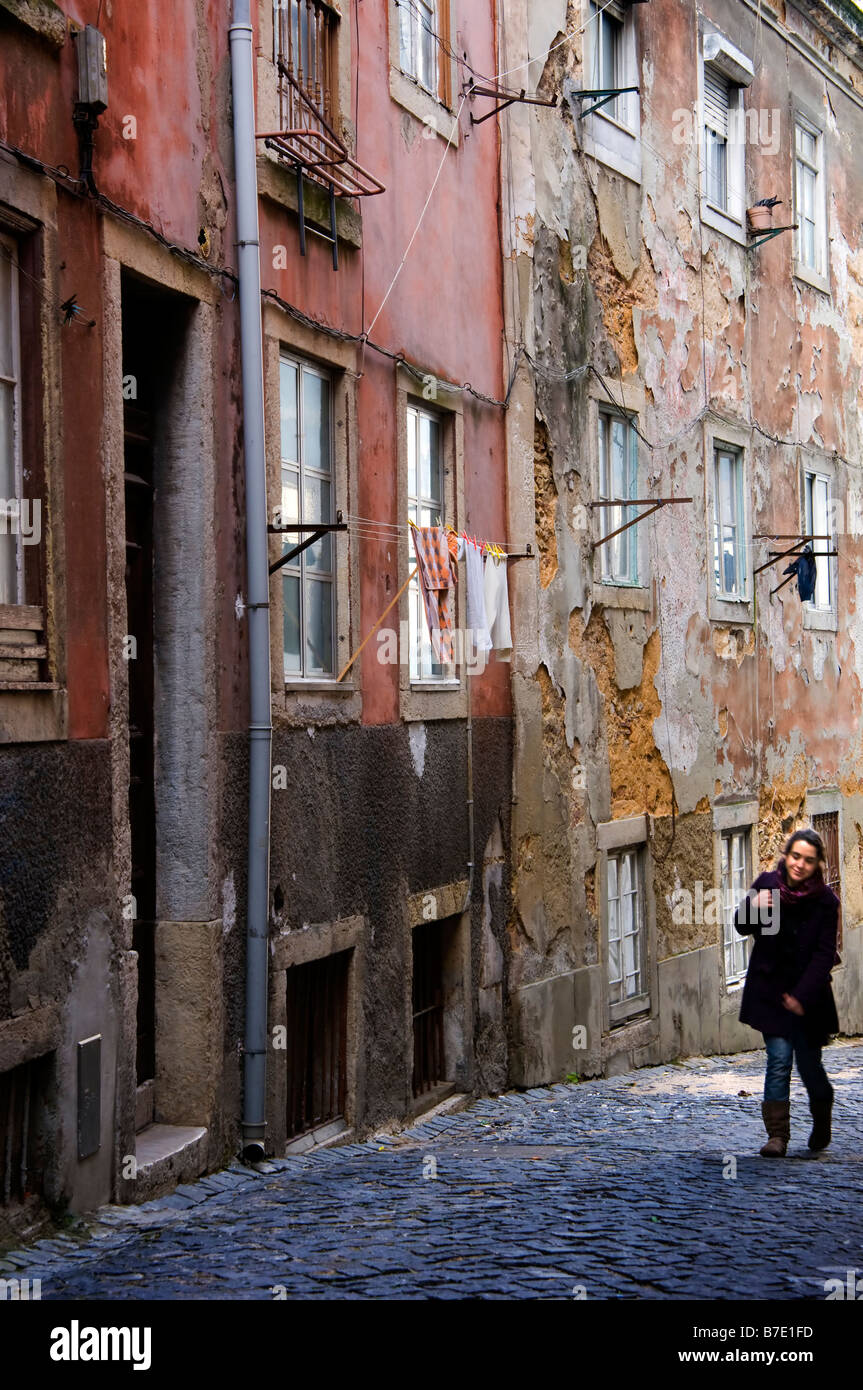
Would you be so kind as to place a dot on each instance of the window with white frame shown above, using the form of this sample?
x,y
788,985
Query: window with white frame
x,y
817,523
11,484
626,927
618,479
725,72
729,523
809,197
305,399
611,62
735,870
423,29
426,507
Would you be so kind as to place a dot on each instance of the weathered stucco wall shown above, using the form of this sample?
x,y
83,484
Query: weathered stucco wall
x,y
640,704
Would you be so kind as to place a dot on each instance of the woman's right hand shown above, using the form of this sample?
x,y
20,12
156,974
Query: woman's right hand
x,y
764,898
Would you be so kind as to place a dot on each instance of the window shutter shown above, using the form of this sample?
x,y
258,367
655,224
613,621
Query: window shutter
x,y
716,100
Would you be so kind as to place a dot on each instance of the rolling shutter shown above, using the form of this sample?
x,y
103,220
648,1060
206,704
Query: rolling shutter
x,y
716,100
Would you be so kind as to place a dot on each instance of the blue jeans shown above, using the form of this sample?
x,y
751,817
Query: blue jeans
x,y
780,1054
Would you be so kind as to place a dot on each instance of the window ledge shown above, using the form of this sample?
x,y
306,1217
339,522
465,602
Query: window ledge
x,y
313,687
820,620
30,685
628,164
432,686
731,227
811,277
730,610
633,596
42,16
627,1009
424,106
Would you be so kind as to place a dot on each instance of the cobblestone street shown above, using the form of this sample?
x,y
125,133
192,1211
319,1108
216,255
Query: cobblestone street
x,y
623,1188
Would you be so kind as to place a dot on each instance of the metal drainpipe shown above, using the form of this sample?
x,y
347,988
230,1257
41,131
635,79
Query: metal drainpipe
x,y
470,829
258,582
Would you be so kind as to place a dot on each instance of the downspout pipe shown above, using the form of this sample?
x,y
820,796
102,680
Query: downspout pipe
x,y
258,583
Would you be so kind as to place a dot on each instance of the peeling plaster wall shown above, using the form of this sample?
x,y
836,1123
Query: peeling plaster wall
x,y
663,701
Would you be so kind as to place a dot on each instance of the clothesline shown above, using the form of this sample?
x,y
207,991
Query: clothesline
x,y
368,528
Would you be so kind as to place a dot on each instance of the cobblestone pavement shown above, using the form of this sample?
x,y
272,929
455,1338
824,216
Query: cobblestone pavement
x,y
622,1187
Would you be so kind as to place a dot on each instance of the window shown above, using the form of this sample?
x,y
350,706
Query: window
x,y
725,72
806,188
426,508
735,883
618,478
304,54
11,483
608,57
717,103
626,954
826,824
417,44
307,496
817,523
729,528
611,61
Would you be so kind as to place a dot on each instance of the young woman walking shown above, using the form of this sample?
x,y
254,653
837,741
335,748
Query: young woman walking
x,y
793,916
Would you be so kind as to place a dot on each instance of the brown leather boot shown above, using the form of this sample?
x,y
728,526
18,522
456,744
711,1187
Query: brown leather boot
x,y
777,1121
821,1112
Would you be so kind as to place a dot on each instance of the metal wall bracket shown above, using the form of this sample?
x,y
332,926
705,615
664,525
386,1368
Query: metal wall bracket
x,y
766,236
504,99
605,93
317,528
652,504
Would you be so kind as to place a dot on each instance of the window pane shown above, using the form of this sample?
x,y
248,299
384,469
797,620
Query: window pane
x,y
316,507
412,454
6,356
291,590
288,410
290,501
405,37
316,422
319,625
8,480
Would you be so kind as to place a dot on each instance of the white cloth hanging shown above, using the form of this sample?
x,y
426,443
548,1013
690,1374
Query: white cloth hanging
x,y
477,621
496,593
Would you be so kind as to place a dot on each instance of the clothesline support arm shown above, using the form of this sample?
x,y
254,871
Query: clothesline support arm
x,y
318,530
652,504
370,634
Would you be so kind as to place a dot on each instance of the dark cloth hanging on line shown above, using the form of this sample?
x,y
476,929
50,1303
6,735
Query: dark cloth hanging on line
x,y
805,569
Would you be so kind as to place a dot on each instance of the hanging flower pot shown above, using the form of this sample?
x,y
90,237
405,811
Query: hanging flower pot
x,y
760,218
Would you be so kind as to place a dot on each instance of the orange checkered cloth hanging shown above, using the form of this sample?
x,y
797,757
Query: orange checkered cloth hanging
x,y
434,562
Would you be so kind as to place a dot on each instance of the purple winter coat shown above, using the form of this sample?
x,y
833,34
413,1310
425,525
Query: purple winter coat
x,y
796,960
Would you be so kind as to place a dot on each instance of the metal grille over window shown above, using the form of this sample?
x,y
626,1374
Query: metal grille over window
x,y
18,1175
827,826
428,1007
316,1010
304,32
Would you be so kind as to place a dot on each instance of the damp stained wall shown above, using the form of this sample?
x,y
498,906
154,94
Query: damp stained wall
x,y
658,698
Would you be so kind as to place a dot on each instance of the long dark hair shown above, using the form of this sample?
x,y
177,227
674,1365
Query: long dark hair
x,y
812,838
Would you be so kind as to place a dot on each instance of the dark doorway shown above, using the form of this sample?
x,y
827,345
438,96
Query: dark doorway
x,y
154,325
316,1044
433,944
